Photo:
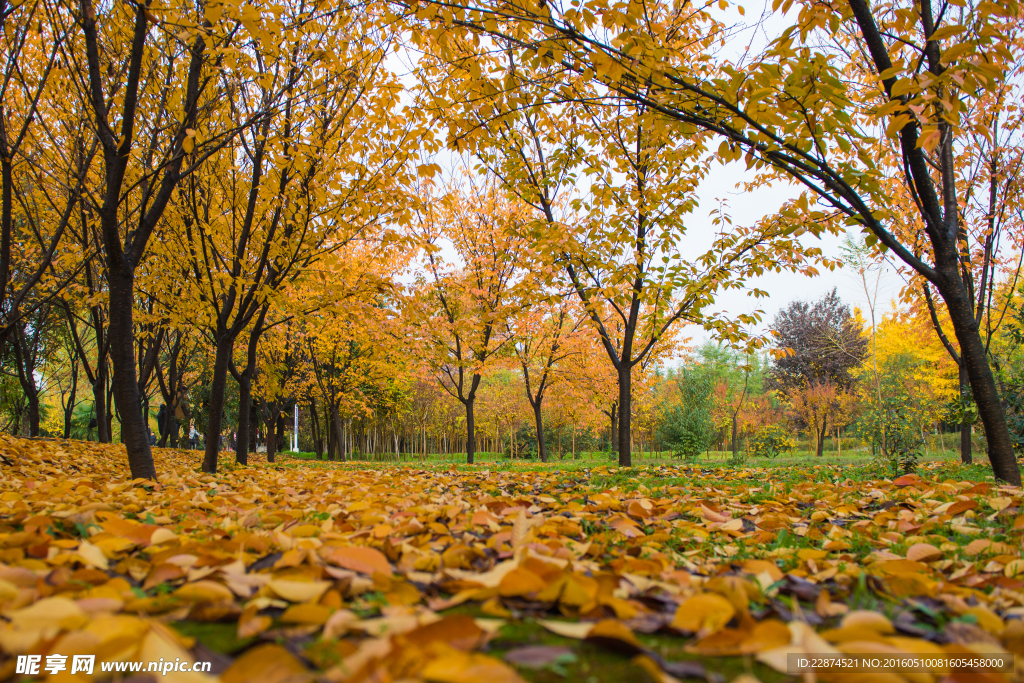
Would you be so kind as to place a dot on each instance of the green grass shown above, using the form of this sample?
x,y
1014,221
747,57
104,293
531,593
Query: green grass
x,y
594,664
221,637
598,472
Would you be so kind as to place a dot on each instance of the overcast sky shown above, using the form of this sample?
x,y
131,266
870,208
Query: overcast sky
x,y
746,208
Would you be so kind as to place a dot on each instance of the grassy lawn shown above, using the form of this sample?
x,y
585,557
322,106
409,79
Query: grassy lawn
x,y
857,464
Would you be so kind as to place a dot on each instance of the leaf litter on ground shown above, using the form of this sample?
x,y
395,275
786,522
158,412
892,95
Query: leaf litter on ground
x,y
350,574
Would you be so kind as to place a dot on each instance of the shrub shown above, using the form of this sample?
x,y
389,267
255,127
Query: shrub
x,y
688,428
894,422
771,441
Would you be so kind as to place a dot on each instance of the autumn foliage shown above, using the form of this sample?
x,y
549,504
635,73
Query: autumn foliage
x,y
338,247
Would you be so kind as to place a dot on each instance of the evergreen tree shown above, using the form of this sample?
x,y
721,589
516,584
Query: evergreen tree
x,y
688,427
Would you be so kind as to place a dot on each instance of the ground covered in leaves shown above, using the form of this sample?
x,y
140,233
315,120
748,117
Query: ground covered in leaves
x,y
342,573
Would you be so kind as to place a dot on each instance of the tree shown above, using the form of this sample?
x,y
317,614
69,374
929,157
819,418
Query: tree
x,y
459,309
688,427
33,339
859,255
896,422
175,373
909,70
542,336
279,383
988,176
37,200
737,377
586,385
85,310
319,170
123,64
621,246
906,345
818,347
816,405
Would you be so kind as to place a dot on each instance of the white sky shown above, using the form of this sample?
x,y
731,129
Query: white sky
x,y
746,208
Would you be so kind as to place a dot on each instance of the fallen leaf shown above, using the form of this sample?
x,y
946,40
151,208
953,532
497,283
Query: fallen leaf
x,y
360,559
267,663
469,667
703,614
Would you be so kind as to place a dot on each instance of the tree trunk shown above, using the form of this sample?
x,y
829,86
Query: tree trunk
x,y
314,425
821,436
112,411
247,417
965,425
470,430
335,448
25,351
538,419
126,387
330,434
174,429
215,416
614,434
99,402
983,388
244,416
280,432
33,412
734,443
625,414
270,423
69,407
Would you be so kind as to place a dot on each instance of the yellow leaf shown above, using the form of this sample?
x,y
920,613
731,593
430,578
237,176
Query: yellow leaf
x,y
923,552
298,591
867,619
92,556
1014,568
267,663
610,629
519,582
306,613
49,612
1000,503
987,619
567,629
703,614
469,667
162,536
204,591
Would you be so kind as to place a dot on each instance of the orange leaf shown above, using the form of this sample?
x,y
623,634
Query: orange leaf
x,y
360,559
520,582
704,613
267,663
464,667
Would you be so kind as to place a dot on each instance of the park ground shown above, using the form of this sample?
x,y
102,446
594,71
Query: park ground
x,y
505,571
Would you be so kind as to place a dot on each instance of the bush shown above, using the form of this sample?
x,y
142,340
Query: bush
x,y
771,441
688,428
893,423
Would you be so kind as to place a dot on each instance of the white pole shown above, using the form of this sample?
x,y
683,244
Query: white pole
x,y
295,433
